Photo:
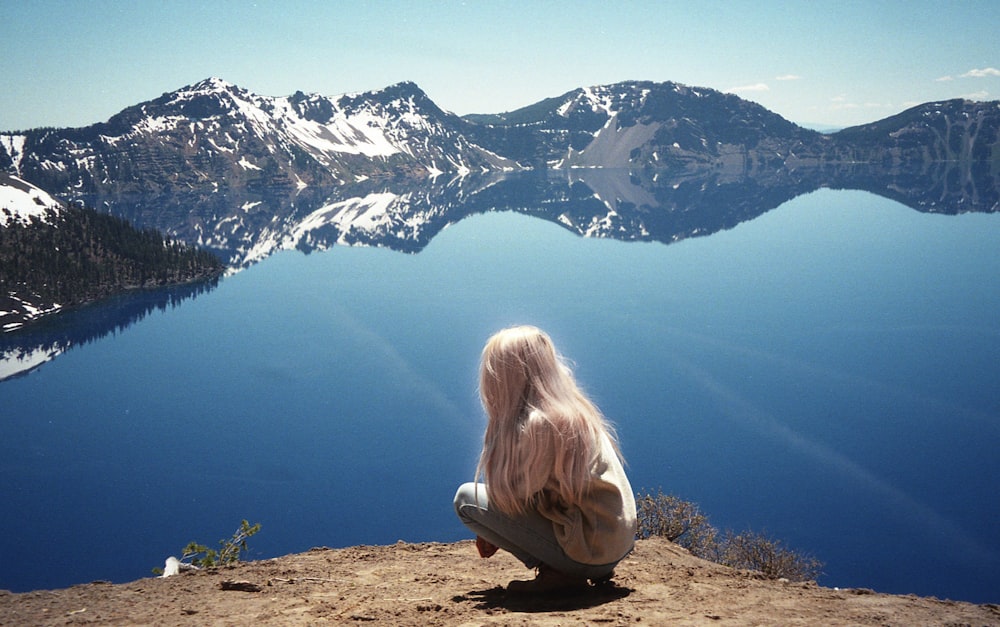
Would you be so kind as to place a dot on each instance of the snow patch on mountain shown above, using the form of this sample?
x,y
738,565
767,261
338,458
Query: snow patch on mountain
x,y
361,134
216,131
153,125
13,145
607,99
599,101
21,201
247,165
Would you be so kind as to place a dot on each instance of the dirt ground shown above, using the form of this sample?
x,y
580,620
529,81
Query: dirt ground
x,y
448,584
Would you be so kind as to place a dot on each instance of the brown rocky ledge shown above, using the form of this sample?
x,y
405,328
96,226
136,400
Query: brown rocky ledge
x,y
448,584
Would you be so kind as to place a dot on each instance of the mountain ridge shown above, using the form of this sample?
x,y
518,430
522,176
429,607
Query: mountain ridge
x,y
215,134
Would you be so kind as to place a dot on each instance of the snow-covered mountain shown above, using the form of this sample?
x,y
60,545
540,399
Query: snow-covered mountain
x,y
214,136
641,124
217,135
669,126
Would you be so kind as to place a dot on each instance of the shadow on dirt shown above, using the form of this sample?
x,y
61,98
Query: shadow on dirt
x,y
498,597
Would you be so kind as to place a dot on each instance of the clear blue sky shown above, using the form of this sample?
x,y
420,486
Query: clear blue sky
x,y
835,63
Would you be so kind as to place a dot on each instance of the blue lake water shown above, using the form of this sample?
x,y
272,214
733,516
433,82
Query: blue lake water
x,y
826,372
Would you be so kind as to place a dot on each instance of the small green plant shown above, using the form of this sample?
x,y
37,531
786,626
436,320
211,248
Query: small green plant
x,y
682,522
201,556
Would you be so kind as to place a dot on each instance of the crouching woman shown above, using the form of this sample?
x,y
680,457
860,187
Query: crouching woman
x,y
554,494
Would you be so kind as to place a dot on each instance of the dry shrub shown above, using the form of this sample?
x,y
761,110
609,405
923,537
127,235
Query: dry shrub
x,y
682,522
677,520
751,550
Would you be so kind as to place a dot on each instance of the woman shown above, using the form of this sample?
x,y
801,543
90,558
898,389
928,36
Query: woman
x,y
555,493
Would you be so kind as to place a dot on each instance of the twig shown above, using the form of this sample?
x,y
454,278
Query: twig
x,y
294,579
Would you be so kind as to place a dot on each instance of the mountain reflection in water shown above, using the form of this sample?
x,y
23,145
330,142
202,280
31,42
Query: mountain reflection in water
x,y
23,351
247,225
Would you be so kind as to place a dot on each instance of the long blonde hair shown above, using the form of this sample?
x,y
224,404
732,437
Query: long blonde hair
x,y
543,431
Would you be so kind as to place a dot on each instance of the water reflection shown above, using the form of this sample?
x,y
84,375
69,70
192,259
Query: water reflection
x,y
23,351
951,187
246,225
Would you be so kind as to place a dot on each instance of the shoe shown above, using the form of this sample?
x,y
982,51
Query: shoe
x,y
605,581
549,581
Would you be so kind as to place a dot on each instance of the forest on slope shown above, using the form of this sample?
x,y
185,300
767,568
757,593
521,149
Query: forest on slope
x,y
78,255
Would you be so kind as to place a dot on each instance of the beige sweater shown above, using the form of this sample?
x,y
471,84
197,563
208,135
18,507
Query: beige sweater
x,y
600,529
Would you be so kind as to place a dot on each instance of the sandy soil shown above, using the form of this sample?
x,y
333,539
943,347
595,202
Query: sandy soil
x,y
448,584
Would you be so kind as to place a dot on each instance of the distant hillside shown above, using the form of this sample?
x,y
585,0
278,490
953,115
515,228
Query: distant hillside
x,y
54,256
954,130
641,124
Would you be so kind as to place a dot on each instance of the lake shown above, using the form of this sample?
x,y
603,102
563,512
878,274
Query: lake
x,y
822,368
